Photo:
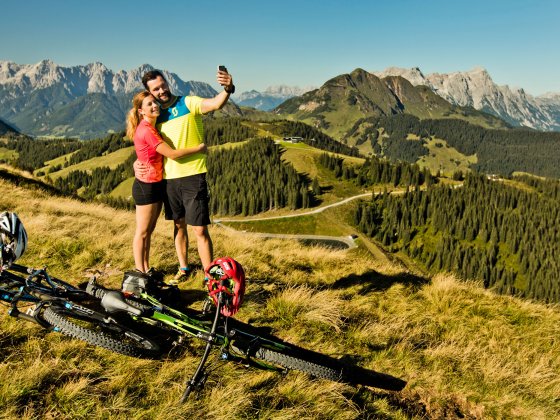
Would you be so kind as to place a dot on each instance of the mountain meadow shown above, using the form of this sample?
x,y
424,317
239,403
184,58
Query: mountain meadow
x,y
451,282
464,351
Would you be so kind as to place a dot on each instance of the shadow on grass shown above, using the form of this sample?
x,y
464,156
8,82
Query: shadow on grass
x,y
257,293
309,361
258,342
189,296
372,281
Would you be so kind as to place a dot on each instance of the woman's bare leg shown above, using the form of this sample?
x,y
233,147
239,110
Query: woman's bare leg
x,y
141,241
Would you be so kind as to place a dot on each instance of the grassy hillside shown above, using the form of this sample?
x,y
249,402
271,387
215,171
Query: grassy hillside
x,y
444,158
305,159
7,155
61,160
111,160
124,189
464,351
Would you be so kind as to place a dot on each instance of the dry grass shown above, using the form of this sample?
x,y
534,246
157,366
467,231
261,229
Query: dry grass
x,y
295,305
465,352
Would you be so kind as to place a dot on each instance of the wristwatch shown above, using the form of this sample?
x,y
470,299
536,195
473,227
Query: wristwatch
x,y
231,90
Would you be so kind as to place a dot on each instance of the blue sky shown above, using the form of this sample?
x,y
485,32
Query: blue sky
x,y
302,43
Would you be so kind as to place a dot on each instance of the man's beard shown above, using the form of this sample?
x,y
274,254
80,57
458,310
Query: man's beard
x,y
168,97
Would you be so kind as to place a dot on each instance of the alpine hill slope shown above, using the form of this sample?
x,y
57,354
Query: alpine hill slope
x,y
345,102
7,130
464,351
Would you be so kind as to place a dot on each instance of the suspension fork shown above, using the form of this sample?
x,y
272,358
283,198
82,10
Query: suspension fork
x,y
33,317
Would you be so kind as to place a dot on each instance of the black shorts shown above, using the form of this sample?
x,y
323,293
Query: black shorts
x,y
148,192
188,198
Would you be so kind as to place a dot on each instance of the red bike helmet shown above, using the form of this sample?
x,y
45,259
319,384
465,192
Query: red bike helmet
x,y
226,275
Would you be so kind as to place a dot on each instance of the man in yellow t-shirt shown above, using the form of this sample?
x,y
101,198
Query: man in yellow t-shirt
x,y
180,125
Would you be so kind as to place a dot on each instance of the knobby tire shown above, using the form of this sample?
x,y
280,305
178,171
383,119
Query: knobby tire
x,y
296,363
115,338
325,367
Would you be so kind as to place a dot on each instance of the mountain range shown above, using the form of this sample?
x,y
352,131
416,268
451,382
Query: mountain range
x,y
476,89
271,97
46,99
346,106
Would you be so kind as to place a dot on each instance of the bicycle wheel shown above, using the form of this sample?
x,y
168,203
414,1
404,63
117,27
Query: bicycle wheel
x,y
296,363
94,330
315,364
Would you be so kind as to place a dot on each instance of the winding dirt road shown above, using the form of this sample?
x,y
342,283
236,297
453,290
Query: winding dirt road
x,y
335,241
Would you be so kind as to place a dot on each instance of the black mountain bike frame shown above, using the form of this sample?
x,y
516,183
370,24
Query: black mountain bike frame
x,y
35,290
53,304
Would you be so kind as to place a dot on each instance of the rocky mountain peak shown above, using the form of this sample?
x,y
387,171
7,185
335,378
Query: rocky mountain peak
x,y
476,88
271,97
286,91
414,75
48,99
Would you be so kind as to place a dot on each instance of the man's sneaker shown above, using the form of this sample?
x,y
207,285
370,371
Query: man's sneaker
x,y
182,275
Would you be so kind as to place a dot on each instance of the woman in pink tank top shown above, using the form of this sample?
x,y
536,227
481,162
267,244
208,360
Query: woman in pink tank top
x,y
149,191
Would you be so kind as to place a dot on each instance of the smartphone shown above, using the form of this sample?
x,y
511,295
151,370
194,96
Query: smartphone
x,y
222,68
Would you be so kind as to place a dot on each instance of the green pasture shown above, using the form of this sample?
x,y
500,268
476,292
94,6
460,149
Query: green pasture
x,y
112,160
8,154
444,158
124,189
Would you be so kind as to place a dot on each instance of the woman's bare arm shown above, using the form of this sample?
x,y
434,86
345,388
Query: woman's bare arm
x,y
174,154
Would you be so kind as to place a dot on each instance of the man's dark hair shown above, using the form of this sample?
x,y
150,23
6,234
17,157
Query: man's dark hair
x,y
151,75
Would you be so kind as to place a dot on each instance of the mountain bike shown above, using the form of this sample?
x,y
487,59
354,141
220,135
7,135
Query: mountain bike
x,y
58,306
235,340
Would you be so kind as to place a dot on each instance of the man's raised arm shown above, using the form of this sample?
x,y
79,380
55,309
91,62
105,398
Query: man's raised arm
x,y
218,101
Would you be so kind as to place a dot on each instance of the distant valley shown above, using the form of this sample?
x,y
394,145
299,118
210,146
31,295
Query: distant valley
x,y
270,98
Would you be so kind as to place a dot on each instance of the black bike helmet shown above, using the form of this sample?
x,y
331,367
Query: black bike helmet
x,y
13,239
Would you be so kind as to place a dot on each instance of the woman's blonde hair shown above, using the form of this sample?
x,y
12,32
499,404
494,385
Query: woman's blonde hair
x,y
133,118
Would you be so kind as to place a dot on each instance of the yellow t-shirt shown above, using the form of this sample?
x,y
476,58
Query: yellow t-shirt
x,y
180,126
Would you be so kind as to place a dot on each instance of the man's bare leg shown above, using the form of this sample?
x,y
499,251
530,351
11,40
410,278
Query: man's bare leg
x,y
204,244
181,238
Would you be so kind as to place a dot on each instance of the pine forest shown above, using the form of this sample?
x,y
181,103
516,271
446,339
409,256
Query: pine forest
x,y
506,235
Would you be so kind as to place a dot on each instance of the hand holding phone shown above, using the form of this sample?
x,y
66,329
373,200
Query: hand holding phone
x,y
225,80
